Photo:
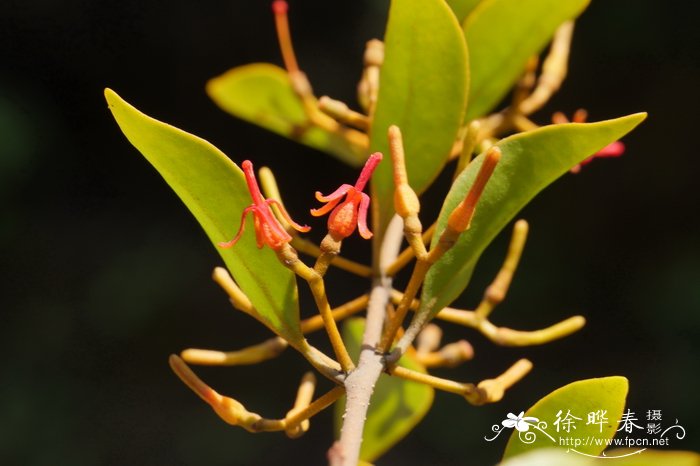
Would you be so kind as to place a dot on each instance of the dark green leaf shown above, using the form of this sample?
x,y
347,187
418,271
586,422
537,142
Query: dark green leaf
x,y
214,190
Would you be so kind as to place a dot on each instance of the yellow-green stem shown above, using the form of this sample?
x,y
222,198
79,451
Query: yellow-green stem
x,y
289,258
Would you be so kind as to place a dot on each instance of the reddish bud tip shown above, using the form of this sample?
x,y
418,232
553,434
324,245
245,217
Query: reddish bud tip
x,y
280,7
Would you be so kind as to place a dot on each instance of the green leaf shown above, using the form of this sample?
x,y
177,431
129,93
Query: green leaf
x,y
502,35
214,190
529,162
396,406
579,398
261,93
462,8
423,90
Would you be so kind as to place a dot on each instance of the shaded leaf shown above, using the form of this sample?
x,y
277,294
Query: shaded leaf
x,y
214,190
462,8
579,398
423,90
396,406
502,35
529,162
261,93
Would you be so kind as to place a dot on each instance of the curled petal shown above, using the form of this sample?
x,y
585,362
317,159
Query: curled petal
x,y
228,244
285,215
337,194
326,208
362,217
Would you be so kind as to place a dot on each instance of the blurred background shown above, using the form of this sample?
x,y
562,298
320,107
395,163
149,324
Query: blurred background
x,y
105,273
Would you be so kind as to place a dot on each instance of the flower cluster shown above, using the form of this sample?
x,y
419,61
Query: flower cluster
x,y
344,218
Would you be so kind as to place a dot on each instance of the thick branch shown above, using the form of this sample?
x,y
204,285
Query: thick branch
x,y
359,384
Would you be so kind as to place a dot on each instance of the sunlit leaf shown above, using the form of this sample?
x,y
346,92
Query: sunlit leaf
x,y
214,190
423,90
529,163
502,35
397,405
578,398
462,8
261,93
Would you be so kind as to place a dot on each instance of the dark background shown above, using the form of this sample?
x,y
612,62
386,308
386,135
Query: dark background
x,y
104,273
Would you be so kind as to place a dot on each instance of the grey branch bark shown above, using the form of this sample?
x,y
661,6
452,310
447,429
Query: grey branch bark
x,y
359,384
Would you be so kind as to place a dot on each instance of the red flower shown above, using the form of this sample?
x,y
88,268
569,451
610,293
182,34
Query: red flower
x,y
614,149
267,228
352,212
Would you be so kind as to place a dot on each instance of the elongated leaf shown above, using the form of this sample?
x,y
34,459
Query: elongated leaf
x,y
529,163
396,406
606,395
260,93
214,190
423,90
462,8
502,35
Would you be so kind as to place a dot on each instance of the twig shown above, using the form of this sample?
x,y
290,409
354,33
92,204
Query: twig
x,y
234,413
487,391
289,258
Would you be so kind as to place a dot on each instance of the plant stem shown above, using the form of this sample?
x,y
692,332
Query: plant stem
x,y
288,257
359,384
